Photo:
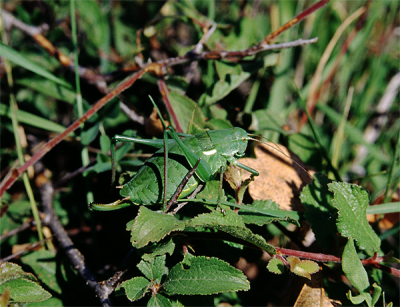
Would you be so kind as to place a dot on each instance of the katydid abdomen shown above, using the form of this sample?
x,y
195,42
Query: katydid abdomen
x,y
216,147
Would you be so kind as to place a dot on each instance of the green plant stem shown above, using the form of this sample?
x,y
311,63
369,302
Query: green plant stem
x,y
13,109
392,167
84,152
384,208
340,135
318,140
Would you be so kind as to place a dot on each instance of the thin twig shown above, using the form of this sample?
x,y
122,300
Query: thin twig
x,y
181,186
17,230
191,196
22,251
102,289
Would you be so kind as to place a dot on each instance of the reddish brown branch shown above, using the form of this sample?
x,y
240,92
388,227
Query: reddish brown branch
x,y
57,139
270,37
164,93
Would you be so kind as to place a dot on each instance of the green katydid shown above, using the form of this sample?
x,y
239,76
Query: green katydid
x,y
210,151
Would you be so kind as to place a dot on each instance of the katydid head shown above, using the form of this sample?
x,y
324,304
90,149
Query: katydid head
x,y
242,138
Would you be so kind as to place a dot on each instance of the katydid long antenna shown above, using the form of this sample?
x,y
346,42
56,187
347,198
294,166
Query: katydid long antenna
x,y
275,147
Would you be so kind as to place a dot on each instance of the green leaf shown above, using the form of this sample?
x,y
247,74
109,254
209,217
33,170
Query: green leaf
x,y
355,272
150,226
302,268
231,223
159,300
320,213
89,135
149,252
276,266
183,108
211,191
154,269
231,80
24,291
23,286
51,302
49,88
262,219
17,58
105,143
204,276
95,22
33,120
43,263
135,288
352,202
227,68
11,271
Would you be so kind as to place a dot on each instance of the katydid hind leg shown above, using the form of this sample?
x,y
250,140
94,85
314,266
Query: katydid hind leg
x,y
203,171
252,171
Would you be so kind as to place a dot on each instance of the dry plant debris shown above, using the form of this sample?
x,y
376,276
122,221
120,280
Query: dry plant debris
x,y
282,176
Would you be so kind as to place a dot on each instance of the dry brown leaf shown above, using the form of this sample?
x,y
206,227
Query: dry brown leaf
x,y
313,294
153,124
281,179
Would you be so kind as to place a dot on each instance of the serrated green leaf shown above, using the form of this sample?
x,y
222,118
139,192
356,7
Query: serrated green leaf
x,y
204,276
159,300
320,213
149,252
51,302
151,226
352,202
276,266
11,271
231,223
356,274
24,291
262,219
154,269
135,288
43,263
210,191
19,59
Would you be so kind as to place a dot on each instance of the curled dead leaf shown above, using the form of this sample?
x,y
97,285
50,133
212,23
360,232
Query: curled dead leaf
x,y
153,124
282,176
